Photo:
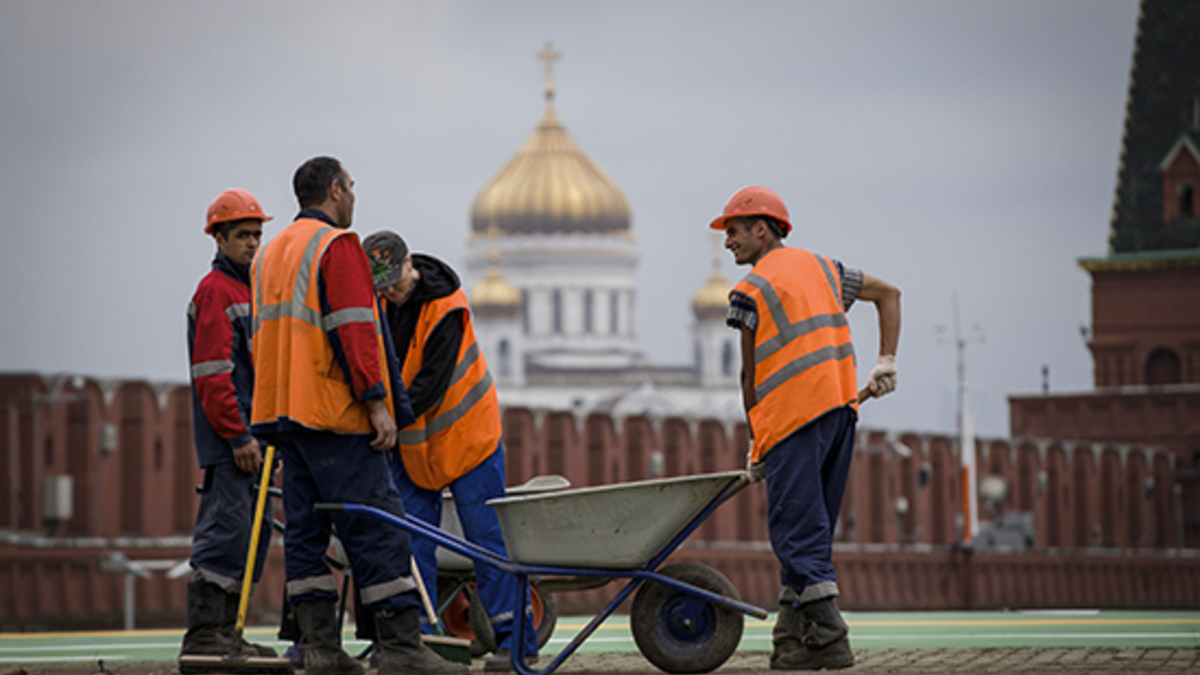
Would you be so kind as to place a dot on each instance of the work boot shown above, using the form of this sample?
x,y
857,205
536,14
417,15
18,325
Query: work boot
x,y
321,639
501,661
206,608
825,642
788,633
229,630
399,634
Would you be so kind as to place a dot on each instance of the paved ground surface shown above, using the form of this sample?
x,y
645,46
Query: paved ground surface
x,y
1068,642
1080,660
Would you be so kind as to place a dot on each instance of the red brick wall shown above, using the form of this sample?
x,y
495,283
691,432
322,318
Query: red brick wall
x,y
1081,493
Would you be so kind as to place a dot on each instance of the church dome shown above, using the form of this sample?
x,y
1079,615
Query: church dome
x,y
494,295
551,186
712,300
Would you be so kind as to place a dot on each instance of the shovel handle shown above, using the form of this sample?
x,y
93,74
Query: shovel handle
x,y
248,573
865,393
416,574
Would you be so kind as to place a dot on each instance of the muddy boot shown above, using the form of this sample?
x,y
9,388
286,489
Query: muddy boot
x,y
229,630
321,639
825,641
206,608
399,634
787,636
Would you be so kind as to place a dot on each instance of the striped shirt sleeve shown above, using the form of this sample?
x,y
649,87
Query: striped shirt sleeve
x,y
742,311
852,281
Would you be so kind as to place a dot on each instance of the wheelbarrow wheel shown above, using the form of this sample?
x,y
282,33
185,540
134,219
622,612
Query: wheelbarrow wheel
x,y
545,616
680,632
456,616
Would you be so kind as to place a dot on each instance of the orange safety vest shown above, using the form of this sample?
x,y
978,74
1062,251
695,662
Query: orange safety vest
x,y
297,377
803,355
457,433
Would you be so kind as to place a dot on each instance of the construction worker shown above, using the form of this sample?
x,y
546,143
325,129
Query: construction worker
x,y
222,384
801,398
325,397
455,441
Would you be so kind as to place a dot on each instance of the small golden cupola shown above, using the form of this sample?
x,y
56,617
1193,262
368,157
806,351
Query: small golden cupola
x,y
494,296
711,302
551,186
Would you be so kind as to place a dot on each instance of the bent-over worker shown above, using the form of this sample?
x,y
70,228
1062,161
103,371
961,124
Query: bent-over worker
x,y
455,441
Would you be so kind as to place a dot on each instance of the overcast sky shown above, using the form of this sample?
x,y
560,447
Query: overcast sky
x,y
956,147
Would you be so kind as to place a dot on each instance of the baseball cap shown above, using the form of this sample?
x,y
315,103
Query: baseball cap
x,y
386,251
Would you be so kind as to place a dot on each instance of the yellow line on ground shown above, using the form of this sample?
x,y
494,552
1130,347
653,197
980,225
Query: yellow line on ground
x,y
140,632
961,622
1029,622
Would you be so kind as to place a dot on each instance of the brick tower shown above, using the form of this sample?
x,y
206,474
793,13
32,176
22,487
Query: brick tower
x,y
1145,333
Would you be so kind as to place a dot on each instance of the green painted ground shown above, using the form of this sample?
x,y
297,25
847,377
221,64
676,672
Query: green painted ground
x,y
868,630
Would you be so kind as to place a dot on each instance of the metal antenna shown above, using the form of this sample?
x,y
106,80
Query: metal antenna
x,y
965,431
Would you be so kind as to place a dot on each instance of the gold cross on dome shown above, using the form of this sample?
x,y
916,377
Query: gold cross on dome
x,y
548,56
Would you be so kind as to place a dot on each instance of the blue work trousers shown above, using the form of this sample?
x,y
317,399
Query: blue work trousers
x,y
496,589
806,480
321,466
221,538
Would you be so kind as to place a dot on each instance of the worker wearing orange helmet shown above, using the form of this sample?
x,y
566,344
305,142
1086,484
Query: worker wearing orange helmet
x,y
799,387
222,383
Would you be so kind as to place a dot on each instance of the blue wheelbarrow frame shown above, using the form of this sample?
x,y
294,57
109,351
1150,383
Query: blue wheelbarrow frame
x,y
524,571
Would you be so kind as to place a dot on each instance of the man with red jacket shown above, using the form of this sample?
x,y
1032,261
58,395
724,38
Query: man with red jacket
x,y
222,384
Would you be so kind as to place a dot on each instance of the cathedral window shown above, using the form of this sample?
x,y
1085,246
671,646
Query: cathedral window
x,y
556,313
613,305
727,359
587,311
1187,197
525,311
502,351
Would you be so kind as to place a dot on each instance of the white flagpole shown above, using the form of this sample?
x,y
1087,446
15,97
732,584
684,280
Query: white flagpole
x,y
970,505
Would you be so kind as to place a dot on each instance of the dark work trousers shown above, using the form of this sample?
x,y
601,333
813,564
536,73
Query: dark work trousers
x,y
806,480
221,538
496,589
320,466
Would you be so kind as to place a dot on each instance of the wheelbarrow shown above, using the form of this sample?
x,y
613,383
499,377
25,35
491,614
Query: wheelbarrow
x,y
686,618
459,606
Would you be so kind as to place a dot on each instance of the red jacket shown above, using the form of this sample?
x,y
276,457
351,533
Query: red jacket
x,y
221,372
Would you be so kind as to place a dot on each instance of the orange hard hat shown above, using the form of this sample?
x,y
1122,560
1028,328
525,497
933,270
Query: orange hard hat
x,y
234,204
754,201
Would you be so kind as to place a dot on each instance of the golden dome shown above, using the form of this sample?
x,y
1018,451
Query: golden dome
x,y
712,300
493,290
550,185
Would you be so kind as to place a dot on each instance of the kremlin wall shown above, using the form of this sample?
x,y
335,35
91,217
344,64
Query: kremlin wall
x,y
90,469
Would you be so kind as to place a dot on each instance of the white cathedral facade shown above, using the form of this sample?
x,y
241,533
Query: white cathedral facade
x,y
551,274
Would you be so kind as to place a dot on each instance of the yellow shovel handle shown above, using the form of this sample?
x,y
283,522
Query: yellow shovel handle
x,y
248,573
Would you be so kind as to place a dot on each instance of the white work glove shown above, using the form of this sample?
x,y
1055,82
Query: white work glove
x,y
883,376
755,470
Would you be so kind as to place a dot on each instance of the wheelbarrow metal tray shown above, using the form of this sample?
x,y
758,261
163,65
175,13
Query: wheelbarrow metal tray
x,y
451,561
620,526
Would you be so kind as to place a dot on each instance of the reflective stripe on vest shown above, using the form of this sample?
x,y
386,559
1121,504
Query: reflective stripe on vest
x,y
461,430
803,353
298,378
446,418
